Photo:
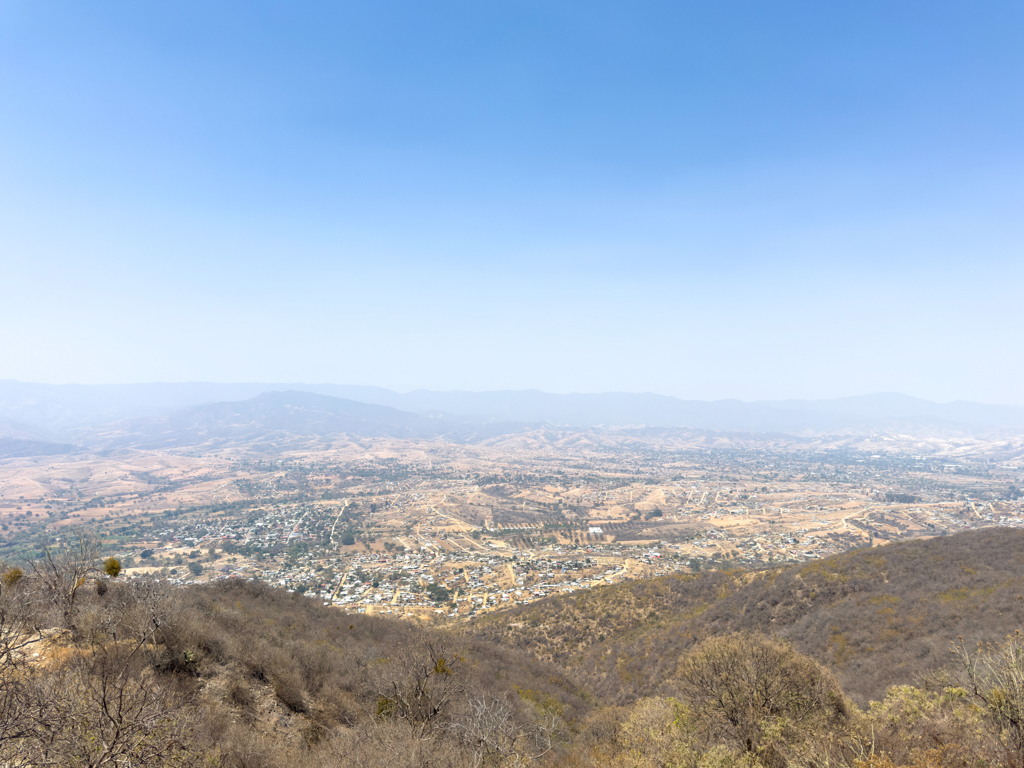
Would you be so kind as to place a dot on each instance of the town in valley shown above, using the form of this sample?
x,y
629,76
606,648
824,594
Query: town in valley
x,y
433,530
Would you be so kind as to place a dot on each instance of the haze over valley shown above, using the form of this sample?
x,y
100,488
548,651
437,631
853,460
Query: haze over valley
x,y
511,385
302,488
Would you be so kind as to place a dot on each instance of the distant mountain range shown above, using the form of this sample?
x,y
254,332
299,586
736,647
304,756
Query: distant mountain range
x,y
280,415
55,416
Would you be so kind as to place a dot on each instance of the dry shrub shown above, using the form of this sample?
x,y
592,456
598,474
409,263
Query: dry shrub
x,y
599,732
217,723
255,659
288,688
319,662
913,726
335,706
758,695
108,705
240,695
243,748
388,745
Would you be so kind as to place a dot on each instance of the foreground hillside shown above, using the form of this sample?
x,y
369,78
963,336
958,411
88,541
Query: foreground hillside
x,y
241,674
877,617
724,669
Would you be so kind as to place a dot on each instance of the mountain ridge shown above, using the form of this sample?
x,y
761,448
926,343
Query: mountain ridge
x,y
290,413
59,410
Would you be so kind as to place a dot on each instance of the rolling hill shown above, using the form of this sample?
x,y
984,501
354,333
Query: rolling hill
x,y
18,447
878,616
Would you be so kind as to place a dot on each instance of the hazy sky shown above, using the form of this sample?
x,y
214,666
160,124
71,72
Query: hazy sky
x,y
757,200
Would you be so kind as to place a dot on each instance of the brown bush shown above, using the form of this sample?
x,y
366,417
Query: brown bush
x,y
288,688
334,706
240,695
758,695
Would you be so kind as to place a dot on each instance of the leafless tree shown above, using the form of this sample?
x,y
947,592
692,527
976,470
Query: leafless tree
x,y
388,744
134,609
64,569
495,735
418,683
92,706
105,707
993,675
17,627
20,716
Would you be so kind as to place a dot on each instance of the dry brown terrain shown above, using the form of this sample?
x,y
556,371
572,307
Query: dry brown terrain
x,y
618,506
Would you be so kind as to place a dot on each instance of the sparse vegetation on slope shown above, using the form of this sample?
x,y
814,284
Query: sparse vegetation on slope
x,y
242,674
878,617
722,669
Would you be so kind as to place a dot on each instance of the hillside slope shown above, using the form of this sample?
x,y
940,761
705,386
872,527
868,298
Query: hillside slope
x,y
243,675
878,617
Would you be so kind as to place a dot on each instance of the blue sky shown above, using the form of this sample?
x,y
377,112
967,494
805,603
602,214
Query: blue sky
x,y
730,199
